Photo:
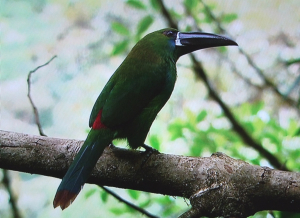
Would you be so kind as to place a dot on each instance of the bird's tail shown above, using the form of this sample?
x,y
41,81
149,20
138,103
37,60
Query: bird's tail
x,y
82,166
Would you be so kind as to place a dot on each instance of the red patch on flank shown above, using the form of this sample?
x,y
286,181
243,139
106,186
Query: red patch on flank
x,y
97,123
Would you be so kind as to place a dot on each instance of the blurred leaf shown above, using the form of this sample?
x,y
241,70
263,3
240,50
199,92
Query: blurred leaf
x,y
136,4
249,127
273,138
222,49
133,194
201,116
164,200
144,24
145,203
255,108
227,18
175,14
188,28
258,125
191,121
255,161
293,128
120,28
229,135
190,4
196,151
168,211
155,5
175,130
120,47
283,214
104,196
117,211
154,142
201,142
276,127
90,193
297,133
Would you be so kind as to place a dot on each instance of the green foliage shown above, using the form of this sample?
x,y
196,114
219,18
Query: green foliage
x,y
154,141
169,205
117,211
283,214
104,196
133,194
253,118
155,5
175,129
120,47
228,18
190,4
120,28
145,204
136,4
90,192
144,24
201,116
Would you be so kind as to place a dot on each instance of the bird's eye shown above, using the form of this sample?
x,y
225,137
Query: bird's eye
x,y
169,33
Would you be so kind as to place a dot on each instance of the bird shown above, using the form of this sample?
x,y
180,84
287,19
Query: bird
x,y
131,100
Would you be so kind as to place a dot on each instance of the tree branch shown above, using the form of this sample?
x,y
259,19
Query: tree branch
x,y
216,186
129,204
12,199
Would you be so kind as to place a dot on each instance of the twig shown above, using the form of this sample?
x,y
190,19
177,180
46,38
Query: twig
x,y
237,127
6,179
128,203
172,23
35,111
12,199
293,86
224,57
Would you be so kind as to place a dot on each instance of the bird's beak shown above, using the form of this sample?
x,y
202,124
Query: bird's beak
x,y
200,40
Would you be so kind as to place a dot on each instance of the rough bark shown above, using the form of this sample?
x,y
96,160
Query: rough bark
x,y
216,185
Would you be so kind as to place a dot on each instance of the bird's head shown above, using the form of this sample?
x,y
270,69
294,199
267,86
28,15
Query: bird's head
x,y
177,43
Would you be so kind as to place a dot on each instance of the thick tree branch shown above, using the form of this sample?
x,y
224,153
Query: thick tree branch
x,y
216,186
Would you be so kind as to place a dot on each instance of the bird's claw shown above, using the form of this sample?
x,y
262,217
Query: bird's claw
x,y
111,146
148,152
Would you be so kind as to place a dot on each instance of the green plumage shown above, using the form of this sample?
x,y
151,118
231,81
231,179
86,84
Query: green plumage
x,y
131,99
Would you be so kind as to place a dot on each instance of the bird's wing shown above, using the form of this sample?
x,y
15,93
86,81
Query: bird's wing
x,y
100,101
124,97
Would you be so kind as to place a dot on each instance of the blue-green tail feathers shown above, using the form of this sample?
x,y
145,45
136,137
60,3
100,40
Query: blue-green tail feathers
x,y
82,167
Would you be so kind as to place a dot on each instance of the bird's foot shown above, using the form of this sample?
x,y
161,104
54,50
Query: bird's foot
x,y
111,146
148,152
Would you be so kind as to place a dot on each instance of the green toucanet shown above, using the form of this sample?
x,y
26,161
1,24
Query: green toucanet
x,y
131,99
